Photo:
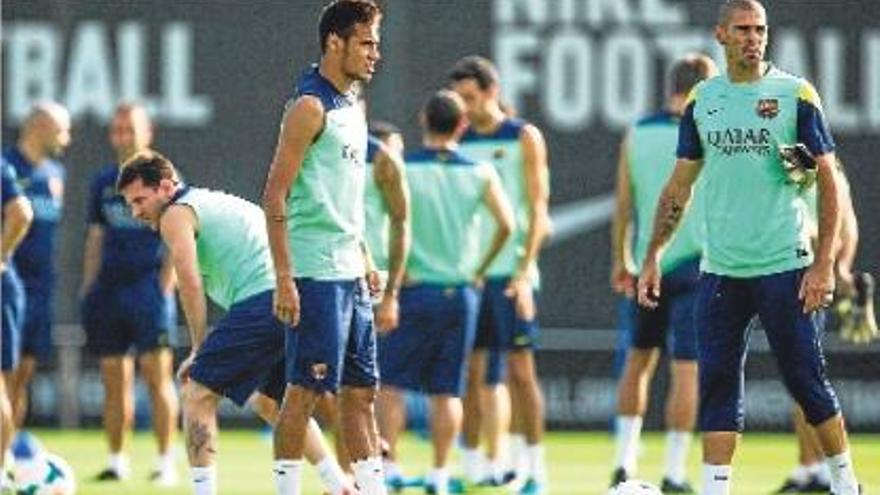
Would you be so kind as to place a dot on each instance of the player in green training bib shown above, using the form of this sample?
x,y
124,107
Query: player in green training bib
x,y
314,204
428,352
757,258
646,162
218,245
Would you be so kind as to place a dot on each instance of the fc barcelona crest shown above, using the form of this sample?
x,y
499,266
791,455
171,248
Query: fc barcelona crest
x,y
767,108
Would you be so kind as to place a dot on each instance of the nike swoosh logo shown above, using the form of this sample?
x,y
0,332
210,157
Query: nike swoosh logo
x,y
581,217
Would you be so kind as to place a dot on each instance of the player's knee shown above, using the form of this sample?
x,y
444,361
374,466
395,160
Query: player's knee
x,y
815,397
196,397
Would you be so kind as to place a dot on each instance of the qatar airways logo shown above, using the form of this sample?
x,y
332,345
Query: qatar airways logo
x,y
741,141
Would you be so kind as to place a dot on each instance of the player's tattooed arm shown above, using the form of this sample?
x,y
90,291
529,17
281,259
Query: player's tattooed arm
x,y
389,175
672,204
301,124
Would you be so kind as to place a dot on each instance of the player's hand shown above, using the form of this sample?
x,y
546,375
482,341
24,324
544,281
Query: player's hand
x,y
388,313
622,282
520,290
374,283
649,283
285,301
185,366
479,281
817,287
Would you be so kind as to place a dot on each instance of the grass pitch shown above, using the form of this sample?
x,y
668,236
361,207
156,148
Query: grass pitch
x,y
579,463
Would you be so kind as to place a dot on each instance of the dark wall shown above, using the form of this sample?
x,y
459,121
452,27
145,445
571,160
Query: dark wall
x,y
219,72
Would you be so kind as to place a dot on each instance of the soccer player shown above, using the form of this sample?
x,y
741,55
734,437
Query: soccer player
x,y
438,313
508,326
44,136
387,232
128,302
757,258
17,217
314,204
640,177
219,249
812,474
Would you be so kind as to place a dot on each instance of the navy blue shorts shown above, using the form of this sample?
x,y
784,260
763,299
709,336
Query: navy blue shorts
x,y
724,308
428,352
121,317
13,319
334,342
500,330
36,336
244,352
671,324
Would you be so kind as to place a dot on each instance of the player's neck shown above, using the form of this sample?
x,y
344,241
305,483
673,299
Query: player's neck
x,y
675,104
739,73
439,143
490,122
337,78
32,151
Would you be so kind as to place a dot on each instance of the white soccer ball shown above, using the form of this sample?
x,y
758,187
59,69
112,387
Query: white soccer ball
x,y
634,487
45,474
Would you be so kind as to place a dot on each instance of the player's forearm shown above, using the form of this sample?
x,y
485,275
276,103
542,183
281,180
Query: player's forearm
x,y
92,257
829,214
17,217
671,208
276,227
502,233
192,298
398,252
620,227
539,229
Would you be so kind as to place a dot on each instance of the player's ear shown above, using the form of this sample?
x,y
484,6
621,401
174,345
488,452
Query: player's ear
x,y
334,42
719,35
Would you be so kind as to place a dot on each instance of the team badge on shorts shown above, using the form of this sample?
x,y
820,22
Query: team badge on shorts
x,y
767,108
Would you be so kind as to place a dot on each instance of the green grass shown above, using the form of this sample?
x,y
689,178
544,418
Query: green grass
x,y
579,463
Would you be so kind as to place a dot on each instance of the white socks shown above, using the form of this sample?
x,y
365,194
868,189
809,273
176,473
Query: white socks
x,y
519,454
440,478
629,429
537,470
800,475
369,476
473,462
716,479
288,476
677,446
331,475
843,477
119,463
204,480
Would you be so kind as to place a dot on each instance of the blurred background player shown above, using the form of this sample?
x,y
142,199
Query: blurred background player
x,y
757,259
220,251
429,350
128,302
17,217
387,232
44,135
811,474
508,317
641,175
314,204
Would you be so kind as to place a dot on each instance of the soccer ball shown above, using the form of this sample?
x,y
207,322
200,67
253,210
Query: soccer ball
x,y
634,487
45,474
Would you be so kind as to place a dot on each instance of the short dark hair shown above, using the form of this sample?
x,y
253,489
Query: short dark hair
x,y
383,130
480,69
729,6
443,112
687,72
340,17
149,166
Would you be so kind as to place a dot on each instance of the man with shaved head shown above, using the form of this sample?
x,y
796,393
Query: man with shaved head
x,y
760,139
44,135
128,304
